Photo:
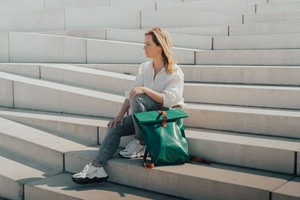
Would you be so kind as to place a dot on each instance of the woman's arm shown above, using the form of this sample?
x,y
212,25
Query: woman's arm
x,y
156,96
119,117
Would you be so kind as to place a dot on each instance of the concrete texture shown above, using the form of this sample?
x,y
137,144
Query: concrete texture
x,y
4,57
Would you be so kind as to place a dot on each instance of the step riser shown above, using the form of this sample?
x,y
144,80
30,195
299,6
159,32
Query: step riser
x,y
75,50
222,152
6,93
209,7
205,30
271,17
248,57
178,40
257,42
245,156
86,80
44,20
34,193
265,28
260,97
33,152
280,7
224,74
10,189
264,97
4,57
86,135
157,181
52,100
187,18
283,126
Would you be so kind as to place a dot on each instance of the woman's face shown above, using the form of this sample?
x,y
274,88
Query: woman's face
x,y
151,49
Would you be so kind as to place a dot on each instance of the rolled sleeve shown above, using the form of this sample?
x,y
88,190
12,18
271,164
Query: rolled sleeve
x,y
139,80
172,94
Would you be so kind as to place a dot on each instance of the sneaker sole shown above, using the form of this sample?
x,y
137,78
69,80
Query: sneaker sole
x,y
83,181
131,156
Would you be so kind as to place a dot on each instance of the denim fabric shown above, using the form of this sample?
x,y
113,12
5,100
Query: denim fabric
x,y
110,144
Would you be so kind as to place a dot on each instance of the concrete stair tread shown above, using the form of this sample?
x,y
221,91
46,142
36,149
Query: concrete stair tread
x,y
289,190
63,186
34,136
62,87
200,140
14,174
214,173
22,173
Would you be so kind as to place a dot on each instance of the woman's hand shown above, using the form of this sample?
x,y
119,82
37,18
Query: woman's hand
x,y
115,121
136,91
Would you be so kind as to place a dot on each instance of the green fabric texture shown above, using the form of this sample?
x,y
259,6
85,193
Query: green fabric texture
x,y
167,145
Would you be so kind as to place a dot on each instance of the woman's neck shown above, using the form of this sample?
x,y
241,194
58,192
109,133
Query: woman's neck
x,y
158,64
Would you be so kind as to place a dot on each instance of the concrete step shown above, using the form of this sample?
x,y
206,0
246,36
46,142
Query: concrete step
x,y
137,36
282,41
238,183
261,96
54,97
276,122
172,18
218,30
271,17
265,28
245,150
208,6
14,175
242,150
39,20
232,1
21,6
178,40
290,190
243,95
278,7
62,187
35,145
56,4
78,50
249,57
263,75
85,130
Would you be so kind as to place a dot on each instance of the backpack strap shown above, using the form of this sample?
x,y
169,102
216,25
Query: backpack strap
x,y
145,164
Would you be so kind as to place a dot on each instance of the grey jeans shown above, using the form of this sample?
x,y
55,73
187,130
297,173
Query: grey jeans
x,y
110,144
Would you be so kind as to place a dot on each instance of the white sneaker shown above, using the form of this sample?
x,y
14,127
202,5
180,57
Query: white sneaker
x,y
133,150
90,174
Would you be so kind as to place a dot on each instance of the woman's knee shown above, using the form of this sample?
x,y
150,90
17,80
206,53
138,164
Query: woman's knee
x,y
137,103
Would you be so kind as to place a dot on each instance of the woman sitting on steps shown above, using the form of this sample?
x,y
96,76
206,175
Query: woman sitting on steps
x,y
158,84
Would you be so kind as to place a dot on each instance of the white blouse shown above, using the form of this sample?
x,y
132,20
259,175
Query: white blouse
x,y
170,85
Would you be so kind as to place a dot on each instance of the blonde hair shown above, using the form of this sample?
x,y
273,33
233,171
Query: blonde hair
x,y
162,38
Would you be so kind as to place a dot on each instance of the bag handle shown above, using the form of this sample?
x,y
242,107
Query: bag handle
x,y
164,120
